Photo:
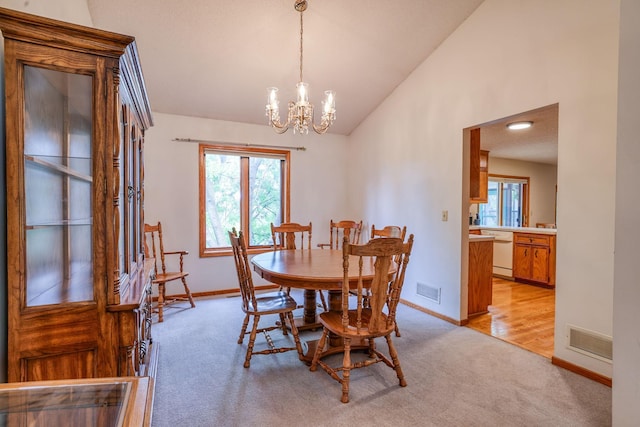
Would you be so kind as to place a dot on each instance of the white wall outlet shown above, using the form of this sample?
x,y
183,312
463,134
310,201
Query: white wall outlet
x,y
445,215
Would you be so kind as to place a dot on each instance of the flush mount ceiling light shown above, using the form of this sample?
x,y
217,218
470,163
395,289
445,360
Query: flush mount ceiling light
x,y
519,125
300,114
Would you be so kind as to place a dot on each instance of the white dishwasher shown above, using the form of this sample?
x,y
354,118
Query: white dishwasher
x,y
502,252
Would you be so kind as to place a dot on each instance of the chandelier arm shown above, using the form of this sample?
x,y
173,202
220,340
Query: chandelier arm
x,y
324,126
280,128
276,124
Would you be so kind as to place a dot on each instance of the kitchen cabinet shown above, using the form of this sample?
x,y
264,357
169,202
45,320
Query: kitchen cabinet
x,y
534,258
474,164
478,170
79,288
483,179
480,289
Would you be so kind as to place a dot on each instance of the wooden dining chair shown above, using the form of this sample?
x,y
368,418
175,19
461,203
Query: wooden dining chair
x,y
337,231
355,321
286,235
389,231
154,247
279,303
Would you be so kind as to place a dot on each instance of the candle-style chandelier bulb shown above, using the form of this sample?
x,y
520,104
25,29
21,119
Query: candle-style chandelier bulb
x,y
300,112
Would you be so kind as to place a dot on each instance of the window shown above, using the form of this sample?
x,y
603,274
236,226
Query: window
x,y
507,202
245,188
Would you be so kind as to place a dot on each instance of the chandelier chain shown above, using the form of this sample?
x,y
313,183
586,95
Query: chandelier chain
x,y
301,31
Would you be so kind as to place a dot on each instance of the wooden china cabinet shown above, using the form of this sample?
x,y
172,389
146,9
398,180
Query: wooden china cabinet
x,y
79,291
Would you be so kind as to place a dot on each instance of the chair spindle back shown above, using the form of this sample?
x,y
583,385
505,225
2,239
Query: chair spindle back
x,y
284,236
339,230
245,279
390,254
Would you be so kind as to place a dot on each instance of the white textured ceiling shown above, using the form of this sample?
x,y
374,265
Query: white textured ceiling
x,y
215,58
539,143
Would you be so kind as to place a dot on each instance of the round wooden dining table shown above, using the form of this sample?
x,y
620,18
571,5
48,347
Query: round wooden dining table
x,y
312,270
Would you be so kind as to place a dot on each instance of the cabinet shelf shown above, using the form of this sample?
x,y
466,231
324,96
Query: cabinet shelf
x,y
62,223
49,290
39,160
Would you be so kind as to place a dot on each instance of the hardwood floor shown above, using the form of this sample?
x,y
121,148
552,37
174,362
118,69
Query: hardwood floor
x,y
520,314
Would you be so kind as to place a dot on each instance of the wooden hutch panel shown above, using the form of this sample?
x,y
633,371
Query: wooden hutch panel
x,y
78,286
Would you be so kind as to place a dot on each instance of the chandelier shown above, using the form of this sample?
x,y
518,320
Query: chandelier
x,y
300,115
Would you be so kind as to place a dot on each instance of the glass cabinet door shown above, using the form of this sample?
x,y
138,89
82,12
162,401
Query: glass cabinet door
x,y
58,186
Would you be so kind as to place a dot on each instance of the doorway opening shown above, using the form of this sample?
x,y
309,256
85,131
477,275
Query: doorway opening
x,y
520,313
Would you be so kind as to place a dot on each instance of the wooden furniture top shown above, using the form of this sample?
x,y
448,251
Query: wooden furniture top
x,y
116,401
137,292
308,269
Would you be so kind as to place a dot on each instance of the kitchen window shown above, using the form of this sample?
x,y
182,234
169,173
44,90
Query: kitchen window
x,y
507,202
245,188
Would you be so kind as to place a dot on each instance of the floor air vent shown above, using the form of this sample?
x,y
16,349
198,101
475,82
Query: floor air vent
x,y
429,292
590,343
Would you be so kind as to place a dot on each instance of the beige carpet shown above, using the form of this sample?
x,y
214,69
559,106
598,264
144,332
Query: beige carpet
x,y
456,377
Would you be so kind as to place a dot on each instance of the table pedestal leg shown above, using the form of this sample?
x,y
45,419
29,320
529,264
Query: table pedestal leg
x,y
309,306
309,320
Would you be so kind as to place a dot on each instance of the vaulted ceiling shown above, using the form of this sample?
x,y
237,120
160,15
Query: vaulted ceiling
x,y
215,58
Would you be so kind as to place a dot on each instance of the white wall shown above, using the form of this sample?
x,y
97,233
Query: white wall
x,y
506,58
74,11
626,316
318,186
542,185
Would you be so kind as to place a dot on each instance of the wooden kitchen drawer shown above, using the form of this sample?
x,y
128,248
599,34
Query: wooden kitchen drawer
x,y
532,239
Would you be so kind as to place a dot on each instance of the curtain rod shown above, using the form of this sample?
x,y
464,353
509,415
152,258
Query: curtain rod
x,y
237,144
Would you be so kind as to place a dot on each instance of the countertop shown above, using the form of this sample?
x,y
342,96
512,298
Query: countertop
x,y
516,229
477,237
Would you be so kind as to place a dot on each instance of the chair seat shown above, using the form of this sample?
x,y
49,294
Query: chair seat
x,y
167,277
272,303
332,320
